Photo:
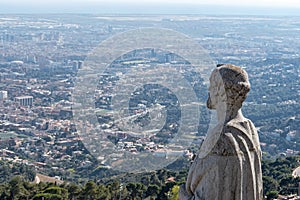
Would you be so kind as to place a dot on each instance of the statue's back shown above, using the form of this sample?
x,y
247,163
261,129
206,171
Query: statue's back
x,y
231,171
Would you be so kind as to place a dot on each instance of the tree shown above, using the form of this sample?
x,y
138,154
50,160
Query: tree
x,y
136,190
114,189
90,191
270,184
104,193
74,191
47,196
272,195
174,194
17,189
152,191
58,191
4,188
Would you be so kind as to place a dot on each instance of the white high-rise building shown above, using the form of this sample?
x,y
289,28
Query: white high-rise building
x,y
3,94
24,100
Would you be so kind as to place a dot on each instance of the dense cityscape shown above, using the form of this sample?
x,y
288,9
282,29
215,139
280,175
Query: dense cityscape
x,y
40,56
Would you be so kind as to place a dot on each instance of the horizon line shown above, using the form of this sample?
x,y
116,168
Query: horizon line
x,y
153,9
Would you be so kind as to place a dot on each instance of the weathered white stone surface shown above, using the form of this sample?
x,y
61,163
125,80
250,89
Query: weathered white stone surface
x,y
296,172
228,165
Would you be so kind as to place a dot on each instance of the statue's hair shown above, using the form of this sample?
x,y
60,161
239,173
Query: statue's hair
x,y
235,82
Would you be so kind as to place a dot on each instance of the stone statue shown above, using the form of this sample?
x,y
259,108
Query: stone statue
x,y
228,165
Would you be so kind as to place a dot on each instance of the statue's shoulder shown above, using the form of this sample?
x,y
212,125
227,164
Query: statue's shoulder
x,y
244,126
226,144
234,134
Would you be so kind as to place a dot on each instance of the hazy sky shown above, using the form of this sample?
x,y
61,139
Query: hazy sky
x,y
286,3
145,6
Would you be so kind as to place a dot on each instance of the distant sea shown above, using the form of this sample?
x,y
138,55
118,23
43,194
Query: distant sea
x,y
7,7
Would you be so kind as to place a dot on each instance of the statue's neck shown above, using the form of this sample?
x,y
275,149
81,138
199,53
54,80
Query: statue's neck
x,y
227,113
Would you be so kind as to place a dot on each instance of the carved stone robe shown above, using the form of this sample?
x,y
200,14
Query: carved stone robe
x,y
231,170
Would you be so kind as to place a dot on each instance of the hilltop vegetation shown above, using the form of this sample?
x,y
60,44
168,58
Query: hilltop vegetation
x,y
161,184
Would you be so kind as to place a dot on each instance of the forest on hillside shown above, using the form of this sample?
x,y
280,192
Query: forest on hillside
x,y
16,183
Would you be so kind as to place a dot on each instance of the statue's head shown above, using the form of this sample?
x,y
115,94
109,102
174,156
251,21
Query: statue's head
x,y
229,85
